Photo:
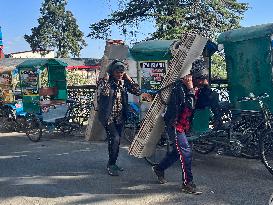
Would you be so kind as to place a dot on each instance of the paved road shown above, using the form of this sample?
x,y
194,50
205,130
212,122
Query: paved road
x,y
72,171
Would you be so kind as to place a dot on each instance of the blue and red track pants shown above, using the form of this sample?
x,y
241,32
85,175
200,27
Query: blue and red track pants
x,y
181,150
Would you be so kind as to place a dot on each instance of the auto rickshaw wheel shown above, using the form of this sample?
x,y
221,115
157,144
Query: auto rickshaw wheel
x,y
266,148
33,128
21,123
7,120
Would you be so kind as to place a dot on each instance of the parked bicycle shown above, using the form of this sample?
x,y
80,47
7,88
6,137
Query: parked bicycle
x,y
57,118
247,134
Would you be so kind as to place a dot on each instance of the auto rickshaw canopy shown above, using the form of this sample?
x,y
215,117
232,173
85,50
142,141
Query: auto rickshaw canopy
x,y
248,54
42,64
246,33
30,78
152,50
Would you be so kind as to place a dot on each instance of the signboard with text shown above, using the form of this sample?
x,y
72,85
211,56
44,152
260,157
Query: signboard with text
x,y
152,75
29,82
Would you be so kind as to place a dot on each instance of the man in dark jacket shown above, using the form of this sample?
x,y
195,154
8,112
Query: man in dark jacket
x,y
178,119
112,108
206,97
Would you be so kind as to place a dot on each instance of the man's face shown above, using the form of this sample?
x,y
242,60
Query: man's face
x,y
199,82
118,74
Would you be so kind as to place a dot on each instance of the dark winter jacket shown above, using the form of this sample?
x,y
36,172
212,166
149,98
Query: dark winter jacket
x,y
180,98
107,89
206,98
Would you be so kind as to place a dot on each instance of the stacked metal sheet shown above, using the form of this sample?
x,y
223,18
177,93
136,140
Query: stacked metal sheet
x,y
184,53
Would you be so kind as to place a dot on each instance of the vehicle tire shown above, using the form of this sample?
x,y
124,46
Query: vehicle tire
x,y
8,119
246,133
21,124
162,148
68,128
203,146
250,149
266,148
33,128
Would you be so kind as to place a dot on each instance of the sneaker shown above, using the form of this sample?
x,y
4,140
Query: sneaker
x,y
192,184
119,168
190,188
112,170
160,175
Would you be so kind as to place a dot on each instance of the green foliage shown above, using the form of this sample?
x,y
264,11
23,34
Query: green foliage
x,y
73,77
172,17
218,67
57,29
77,77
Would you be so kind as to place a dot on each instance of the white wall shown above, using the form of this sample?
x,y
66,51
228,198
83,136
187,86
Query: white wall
x,y
132,65
30,54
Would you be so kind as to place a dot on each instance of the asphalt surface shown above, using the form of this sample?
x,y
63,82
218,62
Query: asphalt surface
x,y
69,171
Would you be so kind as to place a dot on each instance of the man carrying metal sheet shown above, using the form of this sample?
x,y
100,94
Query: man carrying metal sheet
x,y
178,120
112,108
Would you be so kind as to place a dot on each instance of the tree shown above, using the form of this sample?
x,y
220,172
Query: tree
x,y
172,17
218,68
57,29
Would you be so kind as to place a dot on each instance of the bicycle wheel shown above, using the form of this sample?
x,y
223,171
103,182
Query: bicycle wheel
x,y
266,147
203,144
250,147
246,132
33,128
68,128
163,148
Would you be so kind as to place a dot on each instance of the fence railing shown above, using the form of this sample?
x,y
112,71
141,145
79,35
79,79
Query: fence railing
x,y
84,96
221,87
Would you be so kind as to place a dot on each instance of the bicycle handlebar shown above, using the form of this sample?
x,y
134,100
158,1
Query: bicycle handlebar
x,y
252,97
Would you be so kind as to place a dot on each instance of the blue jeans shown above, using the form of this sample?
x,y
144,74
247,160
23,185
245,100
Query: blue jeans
x,y
181,150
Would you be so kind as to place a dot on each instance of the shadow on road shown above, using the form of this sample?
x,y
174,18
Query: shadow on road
x,y
75,170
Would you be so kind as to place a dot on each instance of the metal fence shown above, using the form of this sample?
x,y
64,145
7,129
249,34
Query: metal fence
x,y
221,87
84,96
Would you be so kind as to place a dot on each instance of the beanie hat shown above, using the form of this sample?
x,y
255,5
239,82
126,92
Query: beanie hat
x,y
199,70
116,65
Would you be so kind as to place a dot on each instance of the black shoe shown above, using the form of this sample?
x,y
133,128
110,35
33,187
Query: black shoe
x,y
160,175
119,168
190,188
192,184
112,170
